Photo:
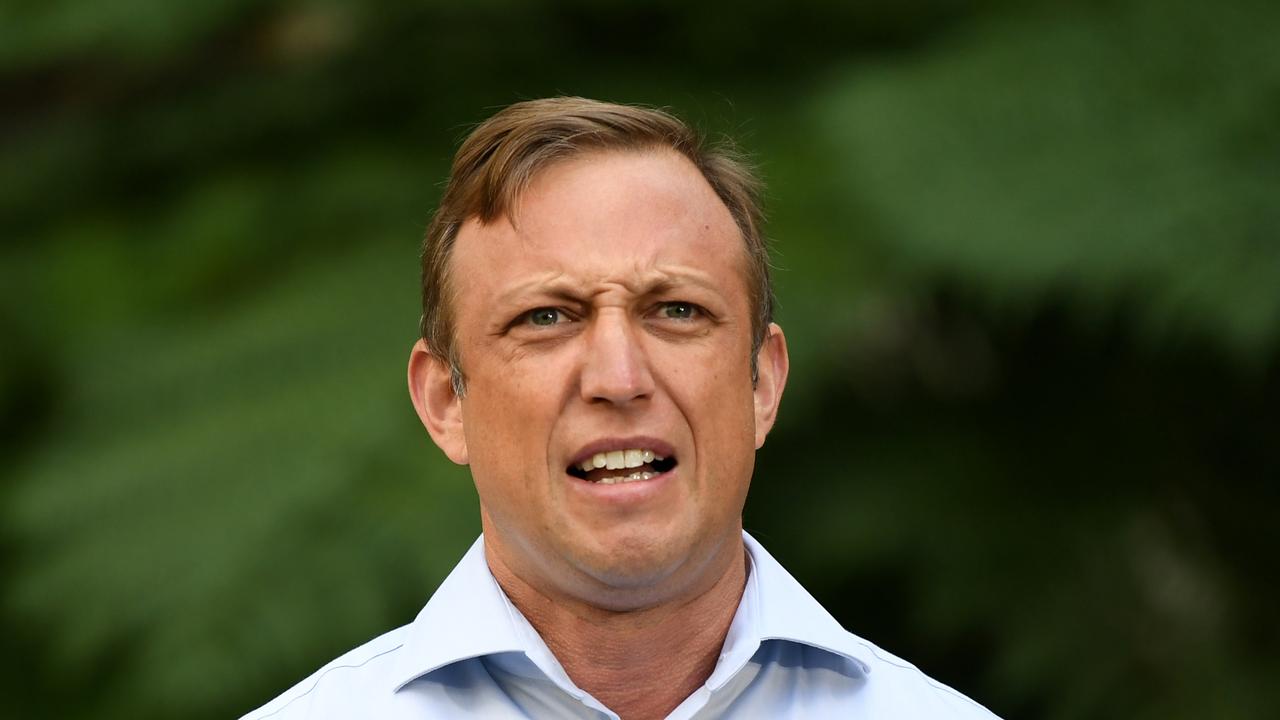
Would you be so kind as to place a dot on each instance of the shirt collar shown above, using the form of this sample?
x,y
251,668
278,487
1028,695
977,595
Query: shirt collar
x,y
781,609
469,616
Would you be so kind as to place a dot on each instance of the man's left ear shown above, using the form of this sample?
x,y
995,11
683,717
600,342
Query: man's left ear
x,y
771,365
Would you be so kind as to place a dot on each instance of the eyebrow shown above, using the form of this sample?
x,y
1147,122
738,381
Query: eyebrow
x,y
559,286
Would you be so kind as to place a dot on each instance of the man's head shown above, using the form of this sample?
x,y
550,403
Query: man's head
x,y
501,156
604,297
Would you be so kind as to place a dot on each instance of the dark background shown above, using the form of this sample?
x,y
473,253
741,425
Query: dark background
x,y
1028,262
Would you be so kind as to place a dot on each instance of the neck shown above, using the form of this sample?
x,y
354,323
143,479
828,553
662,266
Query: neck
x,y
639,663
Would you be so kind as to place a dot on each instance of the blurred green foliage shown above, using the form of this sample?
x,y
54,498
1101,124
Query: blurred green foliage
x,y
1028,265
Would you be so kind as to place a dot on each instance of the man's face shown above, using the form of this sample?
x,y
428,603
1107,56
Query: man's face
x,y
613,317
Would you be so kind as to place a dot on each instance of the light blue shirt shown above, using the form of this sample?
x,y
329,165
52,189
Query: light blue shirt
x,y
471,653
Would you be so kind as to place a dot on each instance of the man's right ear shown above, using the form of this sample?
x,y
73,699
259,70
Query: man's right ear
x,y
438,406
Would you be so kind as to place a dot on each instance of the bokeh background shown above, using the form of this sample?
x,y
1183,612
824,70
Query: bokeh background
x,y
1028,260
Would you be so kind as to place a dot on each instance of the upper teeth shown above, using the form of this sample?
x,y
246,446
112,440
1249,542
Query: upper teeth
x,y
618,459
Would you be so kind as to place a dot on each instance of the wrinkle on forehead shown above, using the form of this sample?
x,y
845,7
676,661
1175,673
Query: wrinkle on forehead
x,y
606,228
680,204
676,193
546,180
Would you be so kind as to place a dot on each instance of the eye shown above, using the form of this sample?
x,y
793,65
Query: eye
x,y
545,316
678,310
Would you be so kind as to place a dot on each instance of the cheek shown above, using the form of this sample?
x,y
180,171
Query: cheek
x,y
716,400
503,457
508,417
722,379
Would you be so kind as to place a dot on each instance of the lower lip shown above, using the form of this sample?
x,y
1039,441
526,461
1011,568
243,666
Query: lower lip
x,y
623,492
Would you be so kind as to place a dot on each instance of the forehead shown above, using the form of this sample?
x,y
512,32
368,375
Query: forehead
x,y
605,217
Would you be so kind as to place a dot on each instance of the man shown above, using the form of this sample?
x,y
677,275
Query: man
x,y
597,346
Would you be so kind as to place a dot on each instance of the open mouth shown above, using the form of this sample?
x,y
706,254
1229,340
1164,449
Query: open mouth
x,y
621,466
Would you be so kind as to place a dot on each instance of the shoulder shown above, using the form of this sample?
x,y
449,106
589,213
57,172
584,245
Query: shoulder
x,y
894,683
341,688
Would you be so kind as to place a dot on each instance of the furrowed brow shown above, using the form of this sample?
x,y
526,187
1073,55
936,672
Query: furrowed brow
x,y
557,286
552,285
670,282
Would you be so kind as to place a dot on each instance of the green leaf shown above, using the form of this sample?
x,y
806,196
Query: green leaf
x,y
1122,155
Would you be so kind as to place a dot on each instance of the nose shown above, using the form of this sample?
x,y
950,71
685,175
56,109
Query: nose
x,y
615,368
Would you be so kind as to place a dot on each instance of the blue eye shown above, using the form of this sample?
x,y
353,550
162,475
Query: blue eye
x,y
544,316
679,310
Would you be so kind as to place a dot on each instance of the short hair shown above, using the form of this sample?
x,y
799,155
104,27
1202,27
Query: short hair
x,y
500,157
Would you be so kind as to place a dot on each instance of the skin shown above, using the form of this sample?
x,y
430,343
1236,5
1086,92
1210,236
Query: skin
x,y
614,307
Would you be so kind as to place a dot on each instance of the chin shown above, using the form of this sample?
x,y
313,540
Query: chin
x,y
636,570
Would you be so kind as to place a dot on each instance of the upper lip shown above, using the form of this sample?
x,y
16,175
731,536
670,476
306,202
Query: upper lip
x,y
661,448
